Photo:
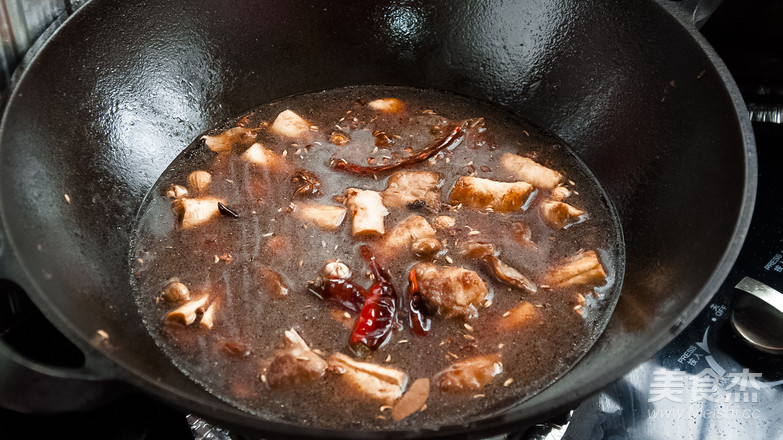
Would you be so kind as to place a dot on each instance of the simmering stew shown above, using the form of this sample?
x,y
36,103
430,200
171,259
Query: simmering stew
x,y
376,258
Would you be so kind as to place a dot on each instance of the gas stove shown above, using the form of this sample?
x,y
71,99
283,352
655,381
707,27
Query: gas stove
x,y
709,382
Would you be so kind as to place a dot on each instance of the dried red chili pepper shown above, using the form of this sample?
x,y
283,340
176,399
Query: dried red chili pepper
x,y
342,291
377,317
381,275
449,141
419,320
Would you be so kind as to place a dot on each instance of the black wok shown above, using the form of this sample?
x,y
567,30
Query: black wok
x,y
123,87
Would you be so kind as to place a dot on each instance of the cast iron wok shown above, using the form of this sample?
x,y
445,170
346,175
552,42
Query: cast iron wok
x,y
123,87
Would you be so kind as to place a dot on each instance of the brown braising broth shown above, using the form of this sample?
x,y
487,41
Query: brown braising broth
x,y
228,258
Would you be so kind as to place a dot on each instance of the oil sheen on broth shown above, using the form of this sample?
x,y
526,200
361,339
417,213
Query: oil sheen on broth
x,y
511,244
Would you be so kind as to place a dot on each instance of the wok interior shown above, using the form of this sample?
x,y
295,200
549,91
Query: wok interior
x,y
124,87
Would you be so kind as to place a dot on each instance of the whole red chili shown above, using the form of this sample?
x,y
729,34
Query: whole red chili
x,y
377,318
451,140
419,319
342,291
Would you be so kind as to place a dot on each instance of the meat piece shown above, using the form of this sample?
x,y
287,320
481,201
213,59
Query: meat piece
x,y
386,105
522,315
261,156
192,212
528,170
326,217
487,252
452,290
371,381
289,124
402,236
224,141
470,374
405,187
187,313
560,193
367,209
208,318
509,275
478,249
413,400
583,269
559,214
478,193
295,364
273,282
444,222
